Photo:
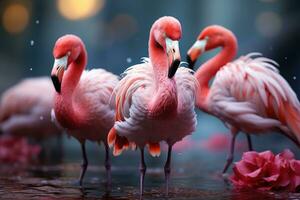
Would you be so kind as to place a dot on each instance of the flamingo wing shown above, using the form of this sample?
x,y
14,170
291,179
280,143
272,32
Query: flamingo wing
x,y
251,92
26,96
187,85
129,90
93,94
25,108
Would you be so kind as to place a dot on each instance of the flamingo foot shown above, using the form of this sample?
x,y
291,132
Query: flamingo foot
x,y
142,173
84,164
168,169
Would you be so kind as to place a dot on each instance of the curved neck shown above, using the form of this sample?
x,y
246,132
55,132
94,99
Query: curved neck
x,y
70,113
165,94
209,69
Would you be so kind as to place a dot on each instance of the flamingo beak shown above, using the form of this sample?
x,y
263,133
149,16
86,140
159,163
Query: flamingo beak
x,y
195,51
59,67
173,54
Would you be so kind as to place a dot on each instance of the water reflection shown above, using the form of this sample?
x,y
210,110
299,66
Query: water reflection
x,y
196,174
50,182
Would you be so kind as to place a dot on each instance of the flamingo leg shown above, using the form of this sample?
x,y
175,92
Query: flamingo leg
x,y
107,164
231,152
250,147
142,172
168,169
84,163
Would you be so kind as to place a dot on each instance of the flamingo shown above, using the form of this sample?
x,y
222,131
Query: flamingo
x,y
25,109
247,94
81,104
152,104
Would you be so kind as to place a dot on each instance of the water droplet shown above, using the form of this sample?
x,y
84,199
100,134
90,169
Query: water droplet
x,y
31,42
37,21
30,68
294,77
128,60
285,58
41,117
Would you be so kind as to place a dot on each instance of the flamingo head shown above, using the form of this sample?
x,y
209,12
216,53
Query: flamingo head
x,y
66,50
210,38
167,32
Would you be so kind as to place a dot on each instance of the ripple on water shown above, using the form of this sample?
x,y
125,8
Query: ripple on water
x,y
33,183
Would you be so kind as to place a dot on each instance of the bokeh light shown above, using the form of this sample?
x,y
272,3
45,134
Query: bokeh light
x,y
79,9
268,24
15,18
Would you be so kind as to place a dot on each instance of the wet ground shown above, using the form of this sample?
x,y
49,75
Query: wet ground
x,y
195,175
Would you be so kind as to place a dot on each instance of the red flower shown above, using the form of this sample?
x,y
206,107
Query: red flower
x,y
17,150
266,171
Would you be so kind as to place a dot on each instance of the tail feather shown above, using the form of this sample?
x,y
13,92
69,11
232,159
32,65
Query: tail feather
x,y
154,149
118,143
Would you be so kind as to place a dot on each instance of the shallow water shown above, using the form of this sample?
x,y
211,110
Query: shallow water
x,y
192,178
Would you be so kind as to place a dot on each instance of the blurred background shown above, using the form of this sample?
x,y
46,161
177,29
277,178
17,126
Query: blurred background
x,y
116,33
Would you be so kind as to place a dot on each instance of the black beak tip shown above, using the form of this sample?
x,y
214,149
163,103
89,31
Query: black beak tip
x,y
174,66
56,83
190,62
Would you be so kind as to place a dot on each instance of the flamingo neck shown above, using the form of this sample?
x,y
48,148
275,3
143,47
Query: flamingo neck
x,y
164,100
70,114
209,69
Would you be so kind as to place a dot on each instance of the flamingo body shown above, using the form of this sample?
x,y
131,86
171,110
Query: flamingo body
x,y
134,93
92,95
247,94
25,109
82,100
155,99
252,96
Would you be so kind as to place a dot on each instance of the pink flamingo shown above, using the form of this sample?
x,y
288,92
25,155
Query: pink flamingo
x,y
247,94
152,104
25,109
82,99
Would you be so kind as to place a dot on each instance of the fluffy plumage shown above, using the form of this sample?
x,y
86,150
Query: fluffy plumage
x,y
133,120
250,94
25,109
92,94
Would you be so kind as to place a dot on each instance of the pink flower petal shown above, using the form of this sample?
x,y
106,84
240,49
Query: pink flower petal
x,y
255,173
16,150
295,166
242,168
265,171
250,157
267,155
271,178
287,154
